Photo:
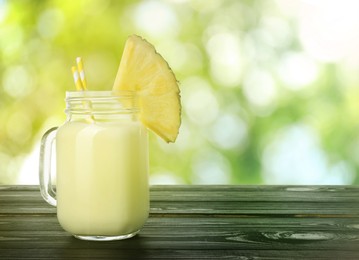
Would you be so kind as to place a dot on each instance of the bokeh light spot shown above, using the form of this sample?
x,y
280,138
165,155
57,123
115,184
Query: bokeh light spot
x,y
229,131
294,156
200,102
156,18
165,178
183,57
3,10
224,52
259,88
297,71
50,23
329,29
276,32
210,167
17,81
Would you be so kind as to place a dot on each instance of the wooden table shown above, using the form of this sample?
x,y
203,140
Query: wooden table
x,y
198,222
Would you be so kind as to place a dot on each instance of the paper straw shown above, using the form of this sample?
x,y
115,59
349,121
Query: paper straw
x,y
77,79
81,85
80,68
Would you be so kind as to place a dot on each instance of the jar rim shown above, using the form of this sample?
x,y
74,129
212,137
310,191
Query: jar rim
x,y
100,93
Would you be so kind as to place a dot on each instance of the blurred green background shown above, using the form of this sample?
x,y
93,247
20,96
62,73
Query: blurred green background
x,y
270,89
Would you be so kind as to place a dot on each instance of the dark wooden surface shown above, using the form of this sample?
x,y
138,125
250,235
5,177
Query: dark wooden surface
x,y
198,222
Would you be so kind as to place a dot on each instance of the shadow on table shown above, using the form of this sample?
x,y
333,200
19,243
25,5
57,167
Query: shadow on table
x,y
133,248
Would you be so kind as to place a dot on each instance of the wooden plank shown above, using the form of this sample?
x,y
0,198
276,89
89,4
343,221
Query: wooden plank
x,y
228,193
297,209
141,253
183,232
49,222
225,194
223,200
236,239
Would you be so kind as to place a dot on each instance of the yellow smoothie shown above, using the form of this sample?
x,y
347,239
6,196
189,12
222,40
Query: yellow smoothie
x,y
102,180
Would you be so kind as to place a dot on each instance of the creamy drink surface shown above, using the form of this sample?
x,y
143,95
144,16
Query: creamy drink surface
x,y
102,180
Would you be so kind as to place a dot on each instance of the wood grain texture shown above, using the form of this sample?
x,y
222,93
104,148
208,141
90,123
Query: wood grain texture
x,y
198,222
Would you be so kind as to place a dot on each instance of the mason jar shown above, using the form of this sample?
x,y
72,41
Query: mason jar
x,y
102,190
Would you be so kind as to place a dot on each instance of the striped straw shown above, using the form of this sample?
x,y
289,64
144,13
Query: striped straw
x,y
76,77
80,68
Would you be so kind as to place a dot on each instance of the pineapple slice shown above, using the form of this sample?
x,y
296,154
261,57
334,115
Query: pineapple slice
x,y
143,70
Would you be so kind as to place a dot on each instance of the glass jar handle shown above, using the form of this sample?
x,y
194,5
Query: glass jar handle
x,y
46,188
